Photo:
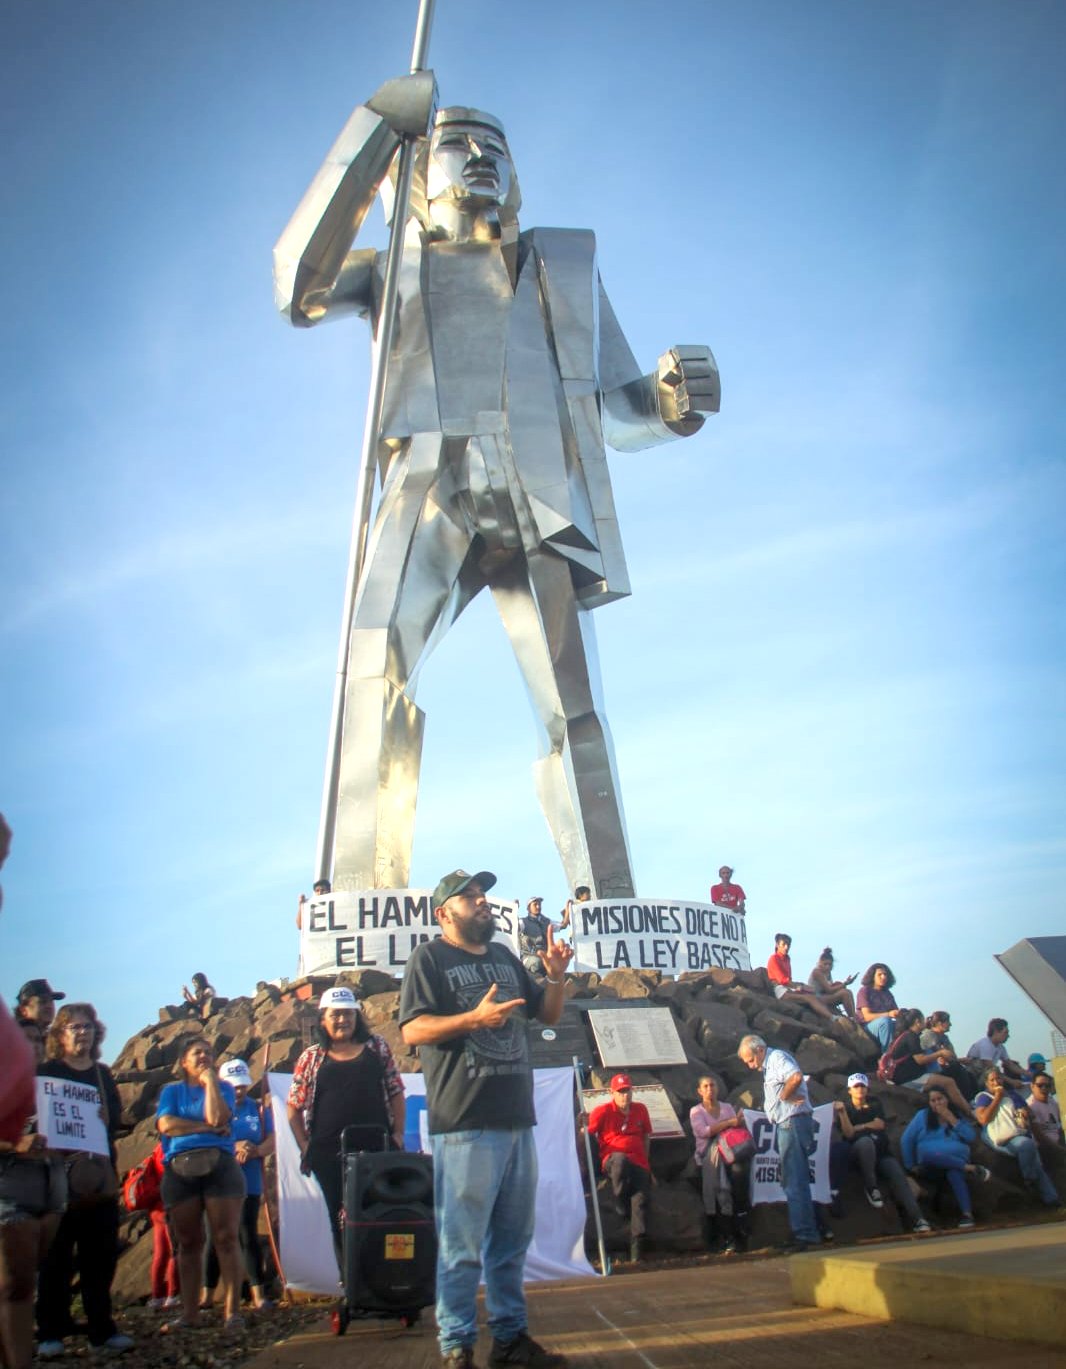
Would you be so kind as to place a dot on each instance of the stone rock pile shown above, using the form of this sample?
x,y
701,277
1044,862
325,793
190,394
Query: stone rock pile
x,y
712,1012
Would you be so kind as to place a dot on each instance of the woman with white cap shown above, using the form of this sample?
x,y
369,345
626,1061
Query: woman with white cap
x,y
861,1119
252,1130
348,1079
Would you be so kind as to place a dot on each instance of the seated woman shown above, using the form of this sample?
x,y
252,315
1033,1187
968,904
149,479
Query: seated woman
x,y
877,1009
1007,1127
723,1167
862,1124
934,1037
348,1079
201,999
917,1069
779,970
201,1177
937,1143
834,993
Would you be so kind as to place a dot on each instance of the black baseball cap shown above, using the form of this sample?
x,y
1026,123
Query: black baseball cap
x,y
38,988
458,880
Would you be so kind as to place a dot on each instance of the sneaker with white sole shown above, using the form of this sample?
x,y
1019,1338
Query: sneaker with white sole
x,y
966,1223
873,1197
982,1173
922,1227
118,1344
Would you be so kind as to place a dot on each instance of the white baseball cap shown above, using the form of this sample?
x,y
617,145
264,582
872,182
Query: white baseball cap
x,y
854,1080
338,998
237,1073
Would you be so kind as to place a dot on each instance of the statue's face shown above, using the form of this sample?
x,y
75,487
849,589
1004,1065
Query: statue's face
x,y
469,164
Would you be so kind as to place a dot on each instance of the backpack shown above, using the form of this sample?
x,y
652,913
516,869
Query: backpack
x,y
889,1063
140,1188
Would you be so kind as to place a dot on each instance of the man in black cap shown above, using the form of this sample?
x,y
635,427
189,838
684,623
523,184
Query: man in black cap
x,y
35,1012
465,1003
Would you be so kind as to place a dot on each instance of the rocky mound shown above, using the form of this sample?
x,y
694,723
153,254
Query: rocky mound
x,y
712,1010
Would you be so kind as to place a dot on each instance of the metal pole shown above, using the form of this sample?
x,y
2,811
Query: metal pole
x,y
605,1264
364,488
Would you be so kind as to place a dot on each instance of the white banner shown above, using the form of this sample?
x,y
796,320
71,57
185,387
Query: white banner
x,y
377,929
71,1116
766,1166
671,935
558,1249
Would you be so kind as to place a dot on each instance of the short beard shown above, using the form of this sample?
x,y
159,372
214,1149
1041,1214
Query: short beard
x,y
476,932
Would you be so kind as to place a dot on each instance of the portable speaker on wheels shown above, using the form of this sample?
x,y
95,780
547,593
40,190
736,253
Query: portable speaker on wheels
x,y
389,1241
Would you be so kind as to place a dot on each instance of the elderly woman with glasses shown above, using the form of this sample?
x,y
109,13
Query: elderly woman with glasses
x,y
87,1238
1007,1127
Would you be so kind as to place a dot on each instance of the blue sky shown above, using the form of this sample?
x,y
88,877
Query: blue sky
x,y
841,669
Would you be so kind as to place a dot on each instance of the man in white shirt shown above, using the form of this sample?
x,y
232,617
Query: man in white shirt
x,y
787,1104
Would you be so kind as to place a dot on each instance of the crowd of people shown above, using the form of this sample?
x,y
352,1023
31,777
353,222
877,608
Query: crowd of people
x,y
464,1002
983,1092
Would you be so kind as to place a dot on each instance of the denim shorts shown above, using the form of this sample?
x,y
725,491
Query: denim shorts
x,y
30,1189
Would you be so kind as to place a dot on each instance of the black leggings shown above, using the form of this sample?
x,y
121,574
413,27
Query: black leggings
x,y
250,1248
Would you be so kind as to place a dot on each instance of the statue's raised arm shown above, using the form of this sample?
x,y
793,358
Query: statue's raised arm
x,y
316,274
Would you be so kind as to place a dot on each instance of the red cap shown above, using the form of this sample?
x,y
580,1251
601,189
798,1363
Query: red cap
x,y
621,1081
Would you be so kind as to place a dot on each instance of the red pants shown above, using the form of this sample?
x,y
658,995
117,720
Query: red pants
x,y
164,1265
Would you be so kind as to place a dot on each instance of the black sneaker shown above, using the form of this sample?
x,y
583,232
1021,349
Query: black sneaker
x,y
462,1357
523,1350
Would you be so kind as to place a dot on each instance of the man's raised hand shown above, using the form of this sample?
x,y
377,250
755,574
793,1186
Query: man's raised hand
x,y
557,957
491,1013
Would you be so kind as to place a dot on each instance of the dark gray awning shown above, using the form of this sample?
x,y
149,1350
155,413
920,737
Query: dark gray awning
x,y
1038,966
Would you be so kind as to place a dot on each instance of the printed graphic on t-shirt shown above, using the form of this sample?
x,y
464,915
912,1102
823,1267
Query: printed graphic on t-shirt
x,y
499,1050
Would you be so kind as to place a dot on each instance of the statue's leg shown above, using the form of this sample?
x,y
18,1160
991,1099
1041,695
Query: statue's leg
x,y
577,780
417,578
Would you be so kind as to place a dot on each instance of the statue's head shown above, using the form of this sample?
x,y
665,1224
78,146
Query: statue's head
x,y
465,164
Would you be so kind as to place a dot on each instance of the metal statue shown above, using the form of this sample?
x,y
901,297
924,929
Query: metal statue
x,y
506,375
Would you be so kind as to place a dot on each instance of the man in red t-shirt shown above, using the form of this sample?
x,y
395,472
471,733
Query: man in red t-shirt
x,y
779,972
727,894
623,1130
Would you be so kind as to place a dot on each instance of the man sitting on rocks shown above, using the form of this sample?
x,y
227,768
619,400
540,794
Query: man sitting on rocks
x,y
533,934
623,1130
779,969
992,1050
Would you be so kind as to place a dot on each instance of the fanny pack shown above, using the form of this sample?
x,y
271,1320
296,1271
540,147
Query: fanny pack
x,y
198,1163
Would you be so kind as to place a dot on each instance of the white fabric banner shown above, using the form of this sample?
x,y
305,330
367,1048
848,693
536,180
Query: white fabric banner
x,y
71,1116
766,1166
558,1249
671,935
378,929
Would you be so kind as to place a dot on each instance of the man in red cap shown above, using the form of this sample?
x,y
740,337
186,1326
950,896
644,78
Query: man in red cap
x,y
727,894
623,1130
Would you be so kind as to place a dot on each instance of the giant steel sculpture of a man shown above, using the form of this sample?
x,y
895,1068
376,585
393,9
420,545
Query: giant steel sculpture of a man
x,y
508,373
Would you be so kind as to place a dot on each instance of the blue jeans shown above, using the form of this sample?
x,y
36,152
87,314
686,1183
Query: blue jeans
x,y
485,1188
795,1143
882,1029
1024,1150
